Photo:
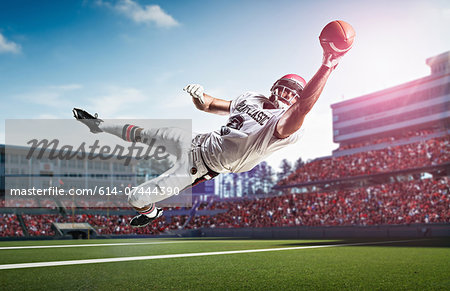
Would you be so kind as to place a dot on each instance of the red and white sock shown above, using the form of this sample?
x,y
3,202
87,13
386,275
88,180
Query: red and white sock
x,y
151,211
126,132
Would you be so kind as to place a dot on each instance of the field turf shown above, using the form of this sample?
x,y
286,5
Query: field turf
x,y
401,265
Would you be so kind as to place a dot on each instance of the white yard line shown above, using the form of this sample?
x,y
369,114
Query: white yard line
x,y
88,245
142,258
119,244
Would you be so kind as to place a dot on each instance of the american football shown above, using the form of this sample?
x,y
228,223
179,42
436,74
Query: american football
x,y
338,36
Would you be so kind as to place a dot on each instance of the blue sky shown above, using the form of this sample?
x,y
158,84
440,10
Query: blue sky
x,y
131,59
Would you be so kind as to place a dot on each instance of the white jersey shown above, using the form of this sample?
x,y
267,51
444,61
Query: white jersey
x,y
247,138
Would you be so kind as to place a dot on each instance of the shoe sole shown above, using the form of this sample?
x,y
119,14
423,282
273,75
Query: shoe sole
x,y
152,219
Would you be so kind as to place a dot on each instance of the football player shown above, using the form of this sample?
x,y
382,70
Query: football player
x,y
257,126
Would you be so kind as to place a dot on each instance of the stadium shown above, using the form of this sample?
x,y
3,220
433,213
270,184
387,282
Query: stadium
x,y
373,215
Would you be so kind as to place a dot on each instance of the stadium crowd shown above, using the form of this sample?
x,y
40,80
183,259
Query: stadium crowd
x,y
432,152
418,201
10,225
423,201
118,224
38,225
392,138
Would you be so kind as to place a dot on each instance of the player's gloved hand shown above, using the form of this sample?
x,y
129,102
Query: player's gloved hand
x,y
332,55
331,60
196,91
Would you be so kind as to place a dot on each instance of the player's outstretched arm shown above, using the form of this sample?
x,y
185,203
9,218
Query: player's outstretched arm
x,y
336,40
292,119
206,102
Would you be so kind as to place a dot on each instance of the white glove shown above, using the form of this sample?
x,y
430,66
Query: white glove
x,y
331,60
196,91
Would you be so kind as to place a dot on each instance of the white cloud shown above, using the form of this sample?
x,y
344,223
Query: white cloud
x,y
118,101
53,96
67,87
47,116
179,101
109,101
168,76
47,98
147,14
7,46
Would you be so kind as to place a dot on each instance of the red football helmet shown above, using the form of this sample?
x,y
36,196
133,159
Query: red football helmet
x,y
287,88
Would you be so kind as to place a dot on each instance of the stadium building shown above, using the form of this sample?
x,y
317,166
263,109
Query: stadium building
x,y
43,172
396,134
401,113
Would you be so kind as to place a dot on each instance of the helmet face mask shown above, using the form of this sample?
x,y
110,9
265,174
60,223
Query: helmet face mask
x,y
285,90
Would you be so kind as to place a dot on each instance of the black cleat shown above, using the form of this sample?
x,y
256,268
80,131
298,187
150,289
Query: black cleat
x,y
91,121
142,220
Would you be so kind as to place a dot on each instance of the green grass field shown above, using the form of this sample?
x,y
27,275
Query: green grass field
x,y
406,265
